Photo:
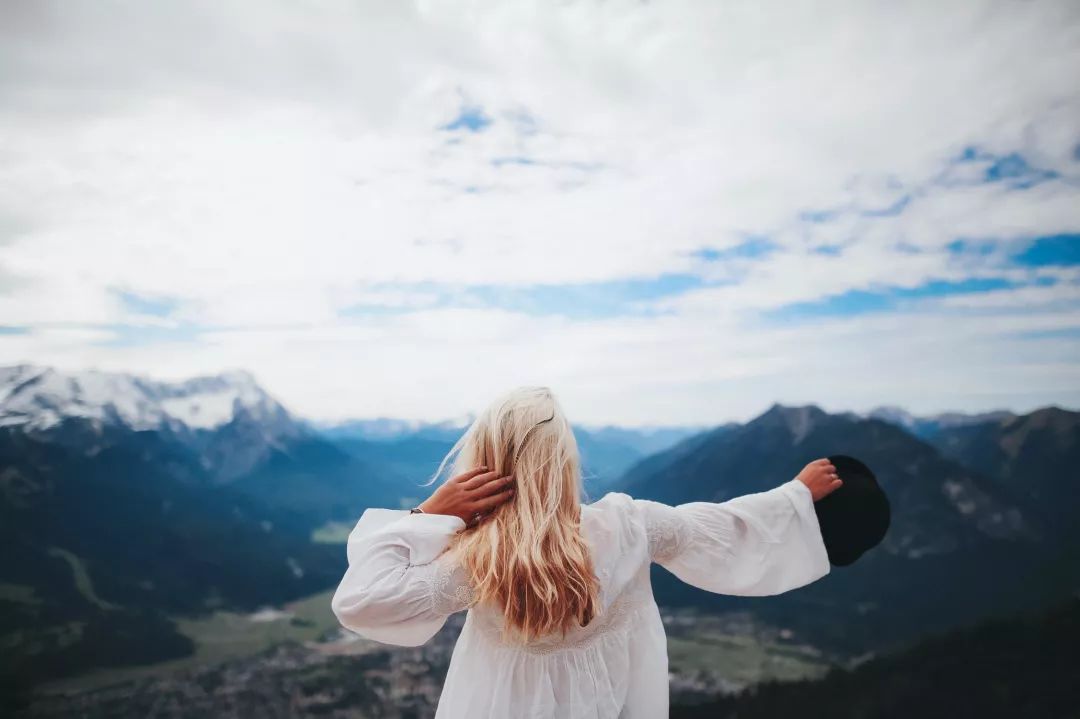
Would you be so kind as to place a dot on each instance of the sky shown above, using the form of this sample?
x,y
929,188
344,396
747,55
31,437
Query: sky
x,y
668,212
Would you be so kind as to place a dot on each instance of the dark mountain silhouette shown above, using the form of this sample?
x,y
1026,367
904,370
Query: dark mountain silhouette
x,y
103,541
938,505
960,546
1036,455
320,481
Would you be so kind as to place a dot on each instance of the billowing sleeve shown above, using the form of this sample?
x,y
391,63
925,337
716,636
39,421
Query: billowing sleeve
x,y
400,585
758,544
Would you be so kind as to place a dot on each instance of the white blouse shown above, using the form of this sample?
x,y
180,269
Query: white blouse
x,y
400,587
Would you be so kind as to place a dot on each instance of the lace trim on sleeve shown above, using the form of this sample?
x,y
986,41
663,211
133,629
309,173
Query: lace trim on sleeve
x,y
446,590
669,535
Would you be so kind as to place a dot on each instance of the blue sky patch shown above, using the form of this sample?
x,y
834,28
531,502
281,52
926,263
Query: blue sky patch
x,y
979,248
1015,170
858,302
470,118
1054,250
146,305
1011,169
752,248
583,300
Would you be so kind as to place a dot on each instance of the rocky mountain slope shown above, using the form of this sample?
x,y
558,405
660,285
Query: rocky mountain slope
x,y
1036,455
960,545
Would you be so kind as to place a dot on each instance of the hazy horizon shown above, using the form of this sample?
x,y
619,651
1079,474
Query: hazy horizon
x,y
469,414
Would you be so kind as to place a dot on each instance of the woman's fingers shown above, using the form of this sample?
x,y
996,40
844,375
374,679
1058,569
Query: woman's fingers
x,y
495,485
466,477
492,500
480,480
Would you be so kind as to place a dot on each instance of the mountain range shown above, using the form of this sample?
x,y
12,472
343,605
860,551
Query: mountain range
x,y
962,544
127,502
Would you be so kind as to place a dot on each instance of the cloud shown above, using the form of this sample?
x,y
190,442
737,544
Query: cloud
x,y
426,201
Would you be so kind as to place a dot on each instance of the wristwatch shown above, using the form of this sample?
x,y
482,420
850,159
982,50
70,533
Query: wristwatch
x,y
416,510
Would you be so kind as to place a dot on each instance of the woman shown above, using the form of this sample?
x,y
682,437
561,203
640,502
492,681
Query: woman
x,y
561,619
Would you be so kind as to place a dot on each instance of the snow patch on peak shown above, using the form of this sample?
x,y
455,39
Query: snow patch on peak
x,y
42,397
893,415
798,420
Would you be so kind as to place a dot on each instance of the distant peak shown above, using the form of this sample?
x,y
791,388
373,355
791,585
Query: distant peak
x,y
1051,416
237,375
21,368
1052,410
891,414
784,410
799,420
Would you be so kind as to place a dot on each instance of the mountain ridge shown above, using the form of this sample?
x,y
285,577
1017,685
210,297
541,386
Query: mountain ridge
x,y
975,544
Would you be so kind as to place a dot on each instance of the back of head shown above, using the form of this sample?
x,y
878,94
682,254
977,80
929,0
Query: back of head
x,y
528,557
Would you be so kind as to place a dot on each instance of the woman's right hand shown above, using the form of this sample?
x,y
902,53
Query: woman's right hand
x,y
470,494
821,478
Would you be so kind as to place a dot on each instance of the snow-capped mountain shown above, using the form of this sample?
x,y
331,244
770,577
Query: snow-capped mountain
x,y
227,420
42,397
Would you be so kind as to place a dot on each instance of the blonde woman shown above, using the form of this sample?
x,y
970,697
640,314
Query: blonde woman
x,y
561,618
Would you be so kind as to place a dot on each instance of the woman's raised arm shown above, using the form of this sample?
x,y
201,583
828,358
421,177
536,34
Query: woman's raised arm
x,y
758,544
398,589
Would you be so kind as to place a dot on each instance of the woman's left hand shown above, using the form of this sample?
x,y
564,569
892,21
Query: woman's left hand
x,y
470,495
820,478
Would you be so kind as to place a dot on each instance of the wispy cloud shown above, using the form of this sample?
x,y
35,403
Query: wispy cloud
x,y
669,211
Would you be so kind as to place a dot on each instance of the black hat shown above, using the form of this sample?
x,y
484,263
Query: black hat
x,y
855,517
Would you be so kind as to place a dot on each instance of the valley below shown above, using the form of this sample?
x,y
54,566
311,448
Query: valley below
x,y
296,661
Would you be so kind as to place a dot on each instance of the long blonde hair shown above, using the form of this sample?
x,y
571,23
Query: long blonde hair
x,y
528,557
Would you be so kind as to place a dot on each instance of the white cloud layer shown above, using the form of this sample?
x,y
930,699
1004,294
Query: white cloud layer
x,y
263,167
